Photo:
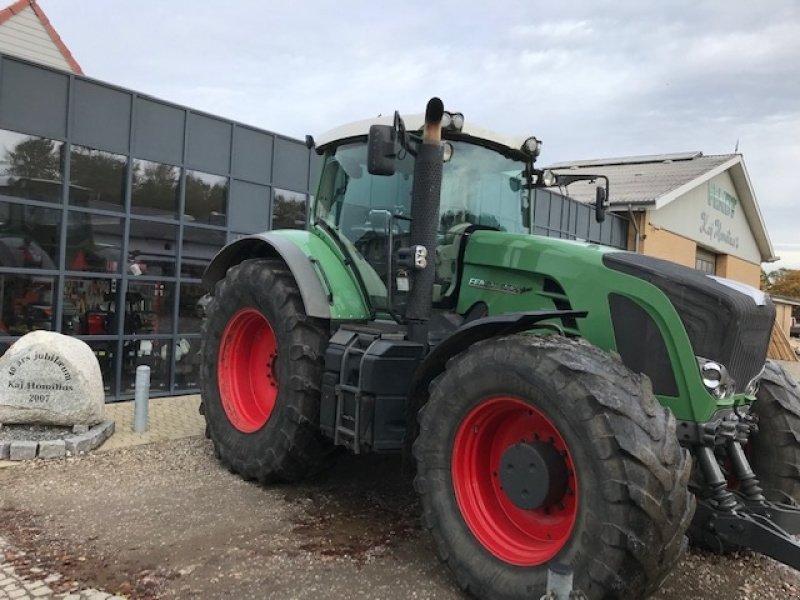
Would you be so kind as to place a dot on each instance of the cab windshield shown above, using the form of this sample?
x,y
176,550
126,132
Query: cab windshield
x,y
479,187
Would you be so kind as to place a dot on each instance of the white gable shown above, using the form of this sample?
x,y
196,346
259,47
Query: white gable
x,y
23,35
713,215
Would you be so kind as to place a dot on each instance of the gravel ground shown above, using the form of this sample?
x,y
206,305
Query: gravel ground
x,y
167,521
34,433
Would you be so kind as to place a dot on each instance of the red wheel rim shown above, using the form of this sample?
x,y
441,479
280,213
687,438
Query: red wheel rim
x,y
512,534
248,385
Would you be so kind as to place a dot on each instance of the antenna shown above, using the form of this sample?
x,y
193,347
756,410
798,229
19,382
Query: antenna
x,y
736,149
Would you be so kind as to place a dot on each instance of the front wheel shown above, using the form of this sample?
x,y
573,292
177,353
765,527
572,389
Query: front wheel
x,y
539,449
261,375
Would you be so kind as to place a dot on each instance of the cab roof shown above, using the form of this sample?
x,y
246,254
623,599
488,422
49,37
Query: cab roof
x,y
414,122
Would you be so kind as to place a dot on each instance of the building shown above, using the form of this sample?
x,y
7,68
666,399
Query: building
x,y
26,32
113,202
695,210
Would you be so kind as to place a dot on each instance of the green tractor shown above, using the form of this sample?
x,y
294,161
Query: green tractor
x,y
567,405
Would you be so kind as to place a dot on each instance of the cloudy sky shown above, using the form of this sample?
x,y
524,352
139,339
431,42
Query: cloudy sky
x,y
592,78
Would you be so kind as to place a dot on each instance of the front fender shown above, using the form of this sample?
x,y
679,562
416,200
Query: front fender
x,y
326,287
482,329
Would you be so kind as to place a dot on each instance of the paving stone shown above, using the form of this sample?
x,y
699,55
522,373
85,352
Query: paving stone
x,y
5,450
42,592
23,450
105,430
52,578
78,443
18,593
52,449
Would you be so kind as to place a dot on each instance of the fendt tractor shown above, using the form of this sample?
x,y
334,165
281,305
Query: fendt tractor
x,y
566,405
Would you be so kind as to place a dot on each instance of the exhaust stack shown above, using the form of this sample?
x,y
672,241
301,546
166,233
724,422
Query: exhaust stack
x,y
425,200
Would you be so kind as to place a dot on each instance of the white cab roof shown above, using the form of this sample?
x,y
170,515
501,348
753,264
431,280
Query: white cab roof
x,y
414,123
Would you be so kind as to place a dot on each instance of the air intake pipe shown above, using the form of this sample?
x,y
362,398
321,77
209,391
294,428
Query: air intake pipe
x,y
425,200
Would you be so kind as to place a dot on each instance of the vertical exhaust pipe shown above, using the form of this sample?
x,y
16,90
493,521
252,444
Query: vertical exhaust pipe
x,y
425,200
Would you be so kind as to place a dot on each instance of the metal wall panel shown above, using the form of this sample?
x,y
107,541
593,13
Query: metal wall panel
x,y
33,99
290,165
158,131
249,207
101,117
252,155
208,145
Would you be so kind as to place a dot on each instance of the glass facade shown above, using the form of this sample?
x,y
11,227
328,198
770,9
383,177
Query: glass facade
x,y
106,226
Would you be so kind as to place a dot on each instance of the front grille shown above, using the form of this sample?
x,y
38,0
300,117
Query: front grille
x,y
723,324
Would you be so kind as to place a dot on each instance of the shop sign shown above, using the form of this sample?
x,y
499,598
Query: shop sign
x,y
716,223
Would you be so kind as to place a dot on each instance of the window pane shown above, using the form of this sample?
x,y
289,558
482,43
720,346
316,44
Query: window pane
x,y
192,306
206,198
90,306
30,167
27,304
97,178
105,351
705,261
94,242
29,236
199,247
155,189
288,210
187,363
153,353
148,307
151,248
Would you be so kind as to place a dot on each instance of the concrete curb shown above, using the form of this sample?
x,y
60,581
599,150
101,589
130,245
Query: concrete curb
x,y
49,449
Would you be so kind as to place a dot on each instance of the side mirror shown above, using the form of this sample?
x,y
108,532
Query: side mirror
x,y
381,149
600,204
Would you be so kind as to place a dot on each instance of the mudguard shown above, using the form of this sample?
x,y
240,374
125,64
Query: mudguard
x,y
482,329
326,287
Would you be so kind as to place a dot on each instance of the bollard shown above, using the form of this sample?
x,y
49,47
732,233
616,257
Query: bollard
x,y
559,582
141,399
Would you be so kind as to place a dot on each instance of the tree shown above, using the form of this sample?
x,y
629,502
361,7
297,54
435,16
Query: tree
x,y
35,158
782,282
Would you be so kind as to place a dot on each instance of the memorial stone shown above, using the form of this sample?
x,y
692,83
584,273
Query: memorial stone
x,y
50,379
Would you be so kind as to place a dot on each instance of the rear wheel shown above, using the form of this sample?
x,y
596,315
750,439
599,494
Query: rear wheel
x,y
534,450
774,451
262,367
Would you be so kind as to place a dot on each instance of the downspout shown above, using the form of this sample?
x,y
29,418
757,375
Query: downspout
x,y
635,228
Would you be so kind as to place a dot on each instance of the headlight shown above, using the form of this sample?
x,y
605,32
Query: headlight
x,y
549,178
716,378
452,121
448,151
532,146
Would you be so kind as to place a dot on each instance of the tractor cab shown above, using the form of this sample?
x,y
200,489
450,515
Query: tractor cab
x,y
486,183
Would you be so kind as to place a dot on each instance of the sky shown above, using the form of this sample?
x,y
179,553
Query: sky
x,y
591,78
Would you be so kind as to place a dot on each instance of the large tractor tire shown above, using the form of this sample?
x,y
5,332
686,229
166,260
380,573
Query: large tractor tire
x,y
774,451
261,375
538,449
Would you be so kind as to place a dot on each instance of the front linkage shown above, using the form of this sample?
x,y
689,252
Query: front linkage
x,y
729,519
